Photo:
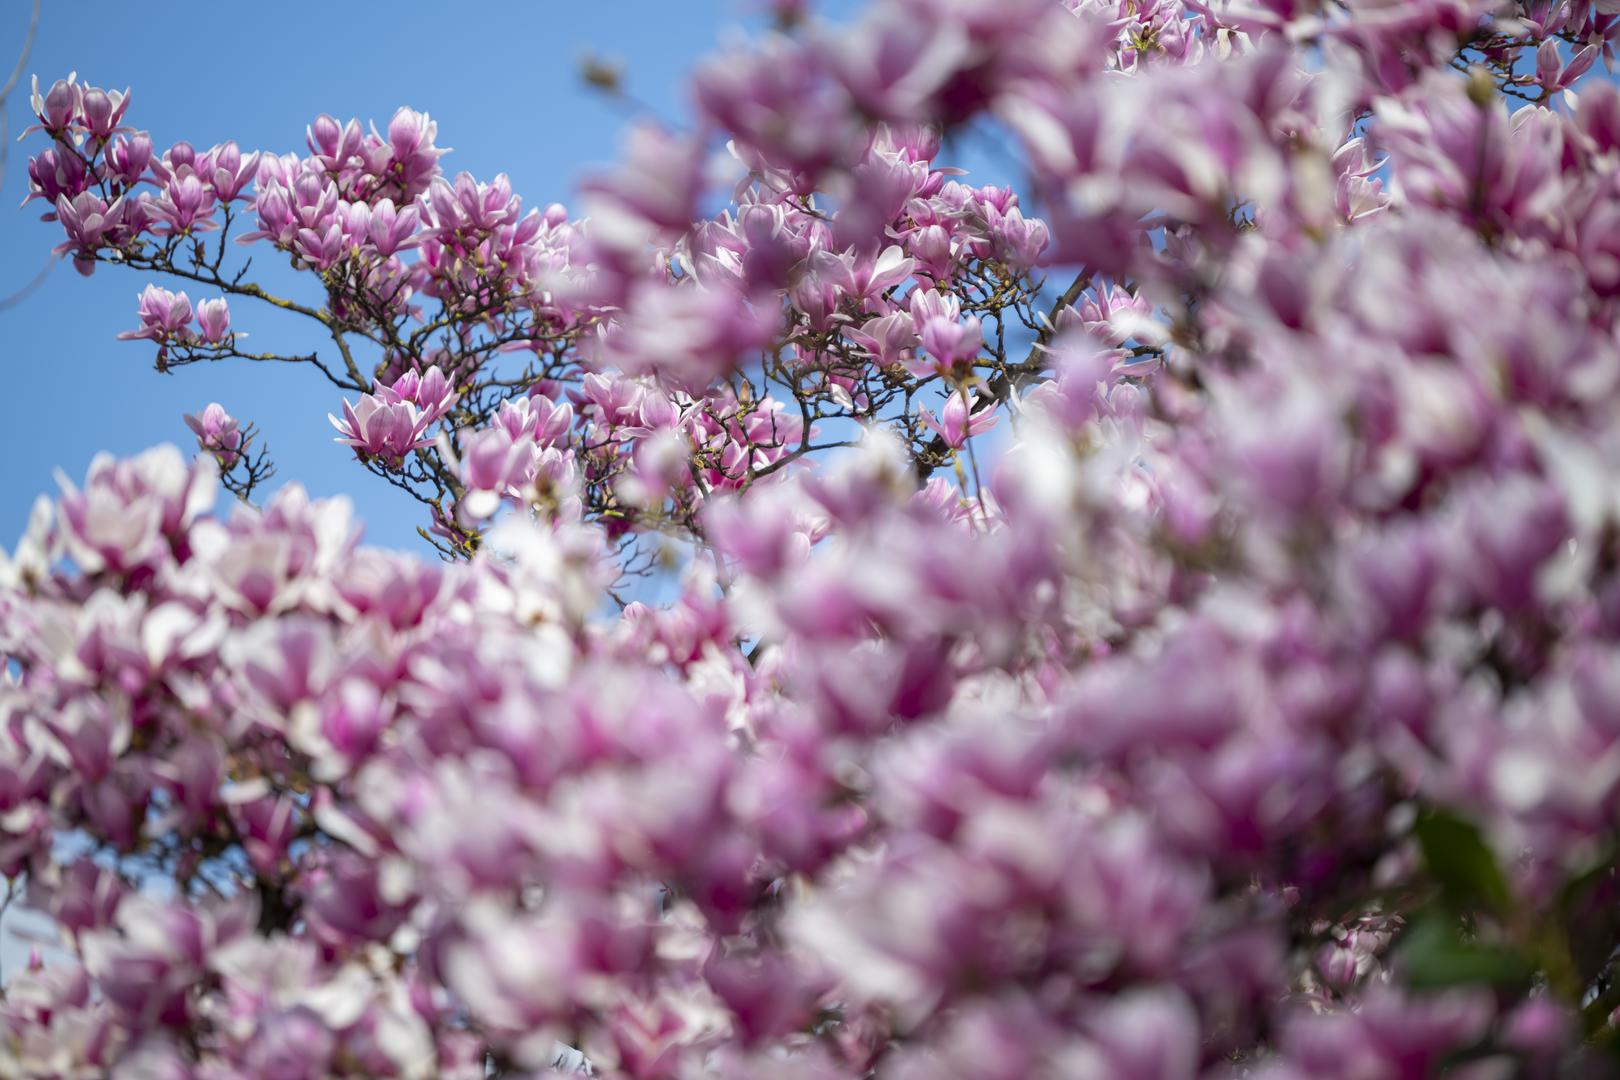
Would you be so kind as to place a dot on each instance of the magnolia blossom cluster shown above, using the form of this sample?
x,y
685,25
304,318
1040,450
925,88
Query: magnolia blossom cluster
x,y
168,317
872,297
1172,637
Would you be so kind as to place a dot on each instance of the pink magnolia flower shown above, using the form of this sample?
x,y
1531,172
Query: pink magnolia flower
x,y
129,155
378,427
1017,240
321,248
333,145
58,107
90,225
540,418
952,344
1113,313
414,159
493,463
392,231
686,336
123,518
960,420
103,111
53,176
186,205
887,339
165,316
430,391
865,278
934,249
654,193
227,171
218,433
214,318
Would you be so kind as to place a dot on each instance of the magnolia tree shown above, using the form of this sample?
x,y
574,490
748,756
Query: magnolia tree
x,y
1247,703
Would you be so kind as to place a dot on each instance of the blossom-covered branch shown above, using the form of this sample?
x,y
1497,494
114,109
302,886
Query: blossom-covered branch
x,y
1171,636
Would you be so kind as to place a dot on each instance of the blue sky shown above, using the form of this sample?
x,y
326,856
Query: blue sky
x,y
501,78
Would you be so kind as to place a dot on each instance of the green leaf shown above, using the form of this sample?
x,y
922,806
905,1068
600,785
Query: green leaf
x,y
1461,861
1579,888
1432,954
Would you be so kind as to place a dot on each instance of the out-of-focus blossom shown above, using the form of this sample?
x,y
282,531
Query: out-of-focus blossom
x,y
1250,697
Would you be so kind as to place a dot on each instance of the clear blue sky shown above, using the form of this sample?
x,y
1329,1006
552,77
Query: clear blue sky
x,y
499,76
